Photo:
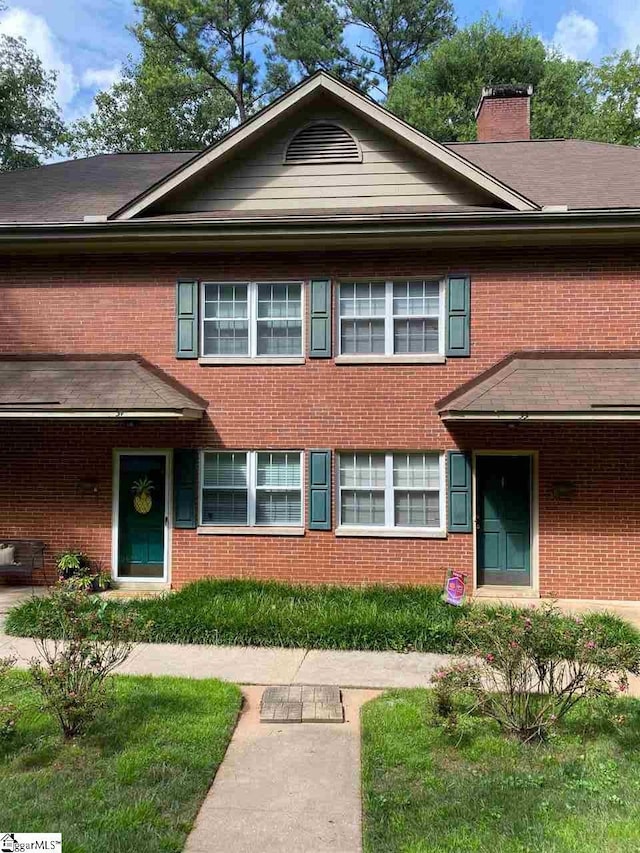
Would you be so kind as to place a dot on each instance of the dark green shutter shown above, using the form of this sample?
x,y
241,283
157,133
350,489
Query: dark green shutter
x,y
458,315
320,319
187,319
319,490
459,480
185,488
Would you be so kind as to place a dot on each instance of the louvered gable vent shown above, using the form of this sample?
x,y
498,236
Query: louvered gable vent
x,y
323,142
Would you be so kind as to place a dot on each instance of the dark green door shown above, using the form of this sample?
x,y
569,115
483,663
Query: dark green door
x,y
141,516
503,521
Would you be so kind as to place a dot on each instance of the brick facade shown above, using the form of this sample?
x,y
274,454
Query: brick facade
x,y
524,299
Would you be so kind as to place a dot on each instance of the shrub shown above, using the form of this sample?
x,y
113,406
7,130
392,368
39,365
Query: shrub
x,y
77,572
527,669
72,676
8,711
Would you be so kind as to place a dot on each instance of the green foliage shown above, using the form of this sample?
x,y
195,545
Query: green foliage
x,y
440,94
30,124
134,781
425,791
616,85
272,614
530,668
8,710
74,667
76,572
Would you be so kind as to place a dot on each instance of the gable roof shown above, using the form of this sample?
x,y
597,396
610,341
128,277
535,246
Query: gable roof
x,y
550,385
321,82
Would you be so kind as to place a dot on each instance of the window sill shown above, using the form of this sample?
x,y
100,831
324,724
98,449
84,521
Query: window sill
x,y
244,360
390,359
391,532
207,530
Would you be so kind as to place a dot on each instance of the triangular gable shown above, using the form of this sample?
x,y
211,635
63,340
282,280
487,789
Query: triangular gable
x,y
363,108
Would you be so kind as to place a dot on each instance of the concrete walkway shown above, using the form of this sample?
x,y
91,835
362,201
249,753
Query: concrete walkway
x,y
286,787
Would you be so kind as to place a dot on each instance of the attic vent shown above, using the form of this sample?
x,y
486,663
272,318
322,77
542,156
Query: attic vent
x,y
323,143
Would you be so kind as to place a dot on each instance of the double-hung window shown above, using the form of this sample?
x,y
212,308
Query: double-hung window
x,y
399,491
245,320
403,318
251,488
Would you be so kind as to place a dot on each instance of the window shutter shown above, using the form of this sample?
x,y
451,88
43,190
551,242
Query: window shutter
x,y
185,488
186,319
458,315
319,490
459,479
320,319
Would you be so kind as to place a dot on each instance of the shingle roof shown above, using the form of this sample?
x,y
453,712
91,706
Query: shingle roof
x,y
92,186
535,384
582,175
89,386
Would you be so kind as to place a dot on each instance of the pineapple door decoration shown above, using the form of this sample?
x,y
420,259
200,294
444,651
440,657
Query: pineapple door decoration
x,y
142,500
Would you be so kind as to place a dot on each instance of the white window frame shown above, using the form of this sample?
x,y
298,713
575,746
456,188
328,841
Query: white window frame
x,y
252,356
389,355
390,529
252,487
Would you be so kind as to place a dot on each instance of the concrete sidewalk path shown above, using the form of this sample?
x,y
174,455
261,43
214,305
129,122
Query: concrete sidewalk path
x,y
286,787
249,665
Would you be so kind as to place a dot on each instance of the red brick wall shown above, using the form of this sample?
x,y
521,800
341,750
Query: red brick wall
x,y
536,299
504,119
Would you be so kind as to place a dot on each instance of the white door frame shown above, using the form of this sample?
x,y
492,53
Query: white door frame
x,y
534,586
168,512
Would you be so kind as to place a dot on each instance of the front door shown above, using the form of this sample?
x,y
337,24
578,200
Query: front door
x,y
503,520
141,516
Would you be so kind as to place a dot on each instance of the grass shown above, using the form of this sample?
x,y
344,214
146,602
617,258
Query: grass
x,y
426,792
239,612
134,782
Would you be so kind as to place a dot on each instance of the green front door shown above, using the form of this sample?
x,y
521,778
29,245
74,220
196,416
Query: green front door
x,y
141,516
503,520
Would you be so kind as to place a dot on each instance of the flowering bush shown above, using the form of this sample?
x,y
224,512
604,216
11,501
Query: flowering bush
x,y
73,671
527,669
8,712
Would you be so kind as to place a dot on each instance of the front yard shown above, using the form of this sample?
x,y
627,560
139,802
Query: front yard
x,y
477,791
254,613
134,782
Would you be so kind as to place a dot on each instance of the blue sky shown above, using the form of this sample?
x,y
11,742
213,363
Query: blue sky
x,y
85,41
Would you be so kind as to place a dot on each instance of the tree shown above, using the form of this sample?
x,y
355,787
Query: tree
x,y
440,94
310,37
30,123
616,84
401,31
158,105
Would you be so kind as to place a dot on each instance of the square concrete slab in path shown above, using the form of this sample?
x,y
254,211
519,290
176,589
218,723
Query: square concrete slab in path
x,y
369,669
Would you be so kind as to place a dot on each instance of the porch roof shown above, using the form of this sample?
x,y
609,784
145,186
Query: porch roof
x,y
109,386
547,386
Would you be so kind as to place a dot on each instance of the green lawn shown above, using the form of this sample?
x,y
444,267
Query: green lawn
x,y
425,793
135,782
233,612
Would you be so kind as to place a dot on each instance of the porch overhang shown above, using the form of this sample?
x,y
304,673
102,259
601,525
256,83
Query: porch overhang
x,y
550,386
113,387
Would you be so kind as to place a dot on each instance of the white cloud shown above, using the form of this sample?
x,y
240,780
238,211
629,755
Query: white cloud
x,y
575,35
20,23
101,78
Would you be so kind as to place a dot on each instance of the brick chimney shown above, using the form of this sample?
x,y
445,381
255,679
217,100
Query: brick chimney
x,y
504,113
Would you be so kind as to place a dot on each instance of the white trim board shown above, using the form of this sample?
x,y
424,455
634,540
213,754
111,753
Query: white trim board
x,y
354,100
168,514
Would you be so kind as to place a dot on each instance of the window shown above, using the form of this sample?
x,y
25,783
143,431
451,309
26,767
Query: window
x,y
252,488
251,320
392,490
392,318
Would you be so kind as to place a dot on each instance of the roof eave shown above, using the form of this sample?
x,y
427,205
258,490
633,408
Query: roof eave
x,y
521,417
100,414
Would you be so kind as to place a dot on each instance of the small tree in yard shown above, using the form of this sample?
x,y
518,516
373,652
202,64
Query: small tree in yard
x,y
89,643
527,669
